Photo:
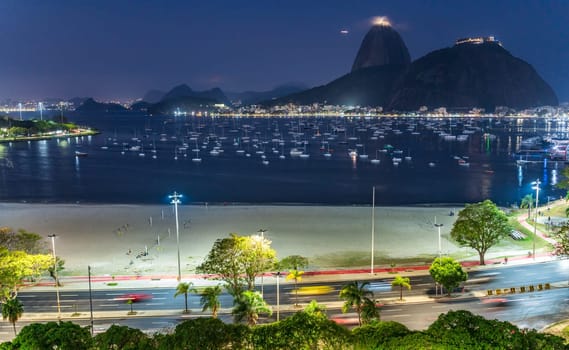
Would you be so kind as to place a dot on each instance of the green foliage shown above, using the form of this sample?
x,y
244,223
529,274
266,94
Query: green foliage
x,y
313,308
293,262
296,276
480,226
59,266
562,238
354,295
301,331
185,288
237,260
53,335
248,306
12,310
370,311
210,300
124,338
527,202
17,265
28,242
447,272
464,330
206,333
375,334
401,282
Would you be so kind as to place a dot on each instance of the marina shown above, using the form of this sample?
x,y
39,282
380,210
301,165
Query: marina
x,y
315,160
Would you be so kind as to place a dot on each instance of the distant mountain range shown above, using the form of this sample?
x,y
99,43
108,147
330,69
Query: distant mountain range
x,y
184,98
476,72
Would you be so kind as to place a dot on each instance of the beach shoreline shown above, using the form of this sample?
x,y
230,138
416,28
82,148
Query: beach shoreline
x,y
135,239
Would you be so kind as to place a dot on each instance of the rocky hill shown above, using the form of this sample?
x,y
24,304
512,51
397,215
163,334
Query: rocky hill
x,y
471,75
382,45
477,73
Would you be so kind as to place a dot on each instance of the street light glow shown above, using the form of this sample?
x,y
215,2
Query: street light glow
x,y
175,199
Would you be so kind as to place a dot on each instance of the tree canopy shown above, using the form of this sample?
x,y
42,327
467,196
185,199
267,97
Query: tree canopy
x,y
561,247
480,226
237,260
17,265
447,272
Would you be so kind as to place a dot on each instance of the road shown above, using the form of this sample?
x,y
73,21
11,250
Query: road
x,y
527,310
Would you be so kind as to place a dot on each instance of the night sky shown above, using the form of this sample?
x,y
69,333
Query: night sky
x,y
121,49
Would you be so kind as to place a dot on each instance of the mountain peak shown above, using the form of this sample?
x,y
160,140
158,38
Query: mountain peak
x,y
382,45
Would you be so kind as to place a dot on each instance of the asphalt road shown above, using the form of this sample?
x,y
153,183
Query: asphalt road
x,y
527,310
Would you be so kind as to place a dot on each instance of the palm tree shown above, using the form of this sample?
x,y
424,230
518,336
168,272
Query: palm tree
x,y
354,294
210,300
295,275
401,282
370,310
12,309
527,202
248,306
185,288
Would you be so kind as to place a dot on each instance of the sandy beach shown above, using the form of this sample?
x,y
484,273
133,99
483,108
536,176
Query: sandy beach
x,y
111,238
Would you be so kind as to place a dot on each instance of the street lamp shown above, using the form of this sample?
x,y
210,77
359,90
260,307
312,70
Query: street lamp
x,y
90,300
535,184
438,226
262,232
40,106
52,236
278,276
176,200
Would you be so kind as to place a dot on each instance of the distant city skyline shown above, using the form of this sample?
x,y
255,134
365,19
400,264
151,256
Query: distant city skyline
x,y
121,49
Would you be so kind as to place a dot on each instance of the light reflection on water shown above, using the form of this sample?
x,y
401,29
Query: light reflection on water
x,y
49,170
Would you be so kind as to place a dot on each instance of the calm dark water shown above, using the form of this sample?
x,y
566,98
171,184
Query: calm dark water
x,y
49,171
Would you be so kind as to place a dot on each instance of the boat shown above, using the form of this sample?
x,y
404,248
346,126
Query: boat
x,y
81,154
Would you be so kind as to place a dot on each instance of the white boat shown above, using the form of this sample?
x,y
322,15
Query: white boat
x,y
295,152
80,154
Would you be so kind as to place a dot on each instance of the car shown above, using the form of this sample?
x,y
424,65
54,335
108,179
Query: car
x,y
314,290
134,297
496,302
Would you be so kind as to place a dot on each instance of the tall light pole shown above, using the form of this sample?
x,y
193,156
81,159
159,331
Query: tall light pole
x,y
176,200
262,232
20,108
372,229
278,275
438,226
440,246
40,106
52,236
535,184
90,300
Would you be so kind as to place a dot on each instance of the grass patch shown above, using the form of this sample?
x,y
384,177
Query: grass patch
x,y
351,259
565,333
112,284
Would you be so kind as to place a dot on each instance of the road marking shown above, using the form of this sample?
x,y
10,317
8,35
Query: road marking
x,y
404,315
159,298
159,322
153,304
391,310
160,293
26,296
69,295
107,305
69,301
114,293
